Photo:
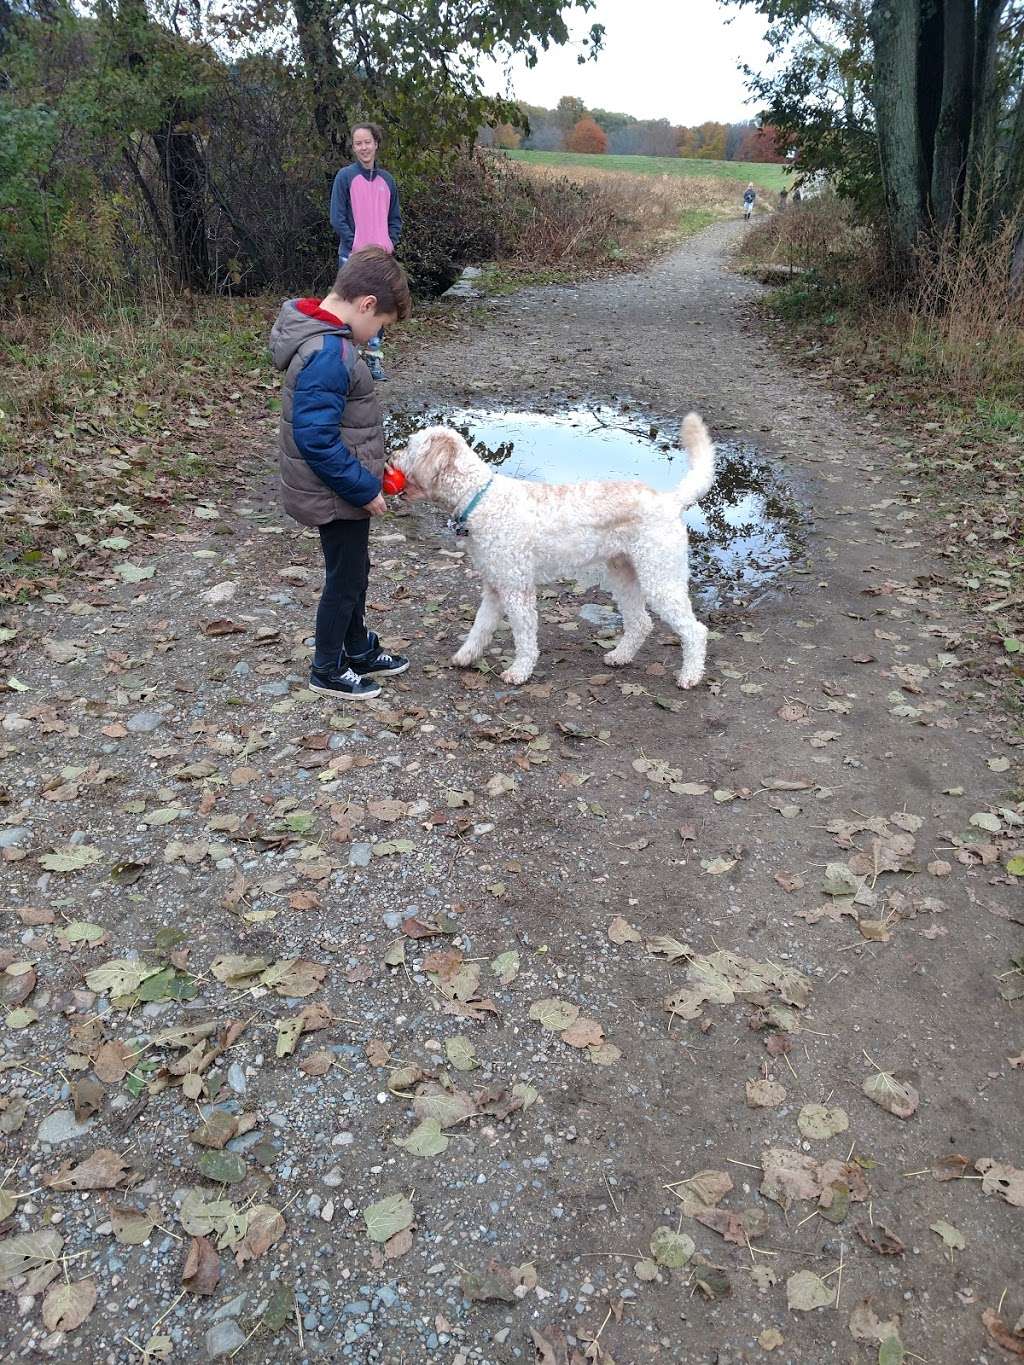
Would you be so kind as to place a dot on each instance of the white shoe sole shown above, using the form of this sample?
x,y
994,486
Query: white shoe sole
x,y
344,696
385,672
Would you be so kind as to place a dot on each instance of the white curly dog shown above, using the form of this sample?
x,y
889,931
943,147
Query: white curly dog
x,y
624,536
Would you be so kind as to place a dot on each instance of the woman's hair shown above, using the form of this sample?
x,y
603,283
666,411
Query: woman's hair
x,y
374,129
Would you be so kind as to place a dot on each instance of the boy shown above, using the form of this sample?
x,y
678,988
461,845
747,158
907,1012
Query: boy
x,y
332,456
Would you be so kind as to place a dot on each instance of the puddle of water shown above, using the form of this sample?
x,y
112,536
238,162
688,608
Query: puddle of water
x,y
743,534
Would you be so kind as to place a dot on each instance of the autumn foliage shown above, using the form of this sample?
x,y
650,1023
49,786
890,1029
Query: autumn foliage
x,y
762,144
587,136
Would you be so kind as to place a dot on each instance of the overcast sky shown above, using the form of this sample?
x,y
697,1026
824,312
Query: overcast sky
x,y
674,59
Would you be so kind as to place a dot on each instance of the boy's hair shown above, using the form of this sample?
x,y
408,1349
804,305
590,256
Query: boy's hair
x,y
375,271
374,129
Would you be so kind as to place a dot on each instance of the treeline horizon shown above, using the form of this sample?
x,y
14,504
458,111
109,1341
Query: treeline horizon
x,y
572,126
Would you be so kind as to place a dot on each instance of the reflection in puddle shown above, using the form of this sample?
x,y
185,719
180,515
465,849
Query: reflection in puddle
x,y
743,533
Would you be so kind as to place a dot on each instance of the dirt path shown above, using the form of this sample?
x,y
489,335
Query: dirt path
x,y
223,801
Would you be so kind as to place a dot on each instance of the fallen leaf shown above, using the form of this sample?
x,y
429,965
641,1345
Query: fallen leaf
x,y
898,1097
806,1291
388,1216
131,1226
72,859
426,1139
201,1272
878,1237
763,1094
816,1121
101,1171
950,1167
1001,1334
29,1251
584,1033
1006,1181
398,1245
951,1236
621,931
265,1226
506,966
671,1249
66,1306
461,1053
554,1014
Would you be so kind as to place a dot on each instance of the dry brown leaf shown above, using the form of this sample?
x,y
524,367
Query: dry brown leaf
x,y
583,1033
763,1094
998,1178
950,1167
1001,1333
317,1063
266,1226
878,1237
398,1245
87,1096
202,1269
621,931
67,1306
101,1171
378,1052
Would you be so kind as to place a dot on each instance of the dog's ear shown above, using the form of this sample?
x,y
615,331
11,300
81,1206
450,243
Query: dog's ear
x,y
441,454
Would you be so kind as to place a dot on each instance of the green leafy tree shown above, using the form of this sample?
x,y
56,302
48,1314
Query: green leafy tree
x,y
413,67
568,112
914,108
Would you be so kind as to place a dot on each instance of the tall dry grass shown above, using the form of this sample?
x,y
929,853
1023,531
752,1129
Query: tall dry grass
x,y
584,217
956,327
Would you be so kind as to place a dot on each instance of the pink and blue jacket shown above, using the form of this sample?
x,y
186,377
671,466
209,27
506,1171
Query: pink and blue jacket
x,y
365,209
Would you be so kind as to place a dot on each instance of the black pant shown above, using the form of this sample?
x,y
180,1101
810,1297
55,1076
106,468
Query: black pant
x,y
340,628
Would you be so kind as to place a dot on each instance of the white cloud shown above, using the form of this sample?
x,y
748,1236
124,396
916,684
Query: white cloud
x,y
674,59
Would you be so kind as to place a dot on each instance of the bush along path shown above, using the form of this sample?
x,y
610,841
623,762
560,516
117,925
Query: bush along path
x,y
592,1021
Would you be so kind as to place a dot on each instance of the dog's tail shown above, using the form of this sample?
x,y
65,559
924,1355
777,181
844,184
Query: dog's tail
x,y
698,445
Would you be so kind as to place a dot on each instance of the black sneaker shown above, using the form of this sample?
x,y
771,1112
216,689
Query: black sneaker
x,y
344,684
376,368
377,660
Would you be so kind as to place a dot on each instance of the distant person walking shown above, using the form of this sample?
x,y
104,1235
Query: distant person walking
x,y
783,198
749,195
365,212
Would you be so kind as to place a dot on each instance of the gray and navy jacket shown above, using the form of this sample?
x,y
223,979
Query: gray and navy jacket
x,y
365,209
331,437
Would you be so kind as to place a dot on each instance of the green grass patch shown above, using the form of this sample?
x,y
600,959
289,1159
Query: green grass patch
x,y
766,176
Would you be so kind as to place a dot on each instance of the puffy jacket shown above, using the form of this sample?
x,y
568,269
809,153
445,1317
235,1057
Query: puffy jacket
x,y
331,437
365,209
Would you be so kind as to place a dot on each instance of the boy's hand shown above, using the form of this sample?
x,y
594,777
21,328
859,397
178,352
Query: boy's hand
x,y
378,507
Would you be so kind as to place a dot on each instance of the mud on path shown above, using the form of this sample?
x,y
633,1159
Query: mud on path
x,y
807,857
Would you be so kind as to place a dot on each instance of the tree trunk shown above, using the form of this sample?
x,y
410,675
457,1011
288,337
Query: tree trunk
x,y
184,173
895,25
320,57
930,47
953,128
1012,196
981,163
180,157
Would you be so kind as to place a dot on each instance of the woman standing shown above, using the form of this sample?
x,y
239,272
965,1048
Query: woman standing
x,y
365,212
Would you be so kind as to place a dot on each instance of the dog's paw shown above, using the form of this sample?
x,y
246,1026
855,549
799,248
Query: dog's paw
x,y
686,679
462,658
515,676
618,656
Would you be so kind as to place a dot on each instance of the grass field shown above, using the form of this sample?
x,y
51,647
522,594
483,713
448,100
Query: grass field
x,y
767,177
